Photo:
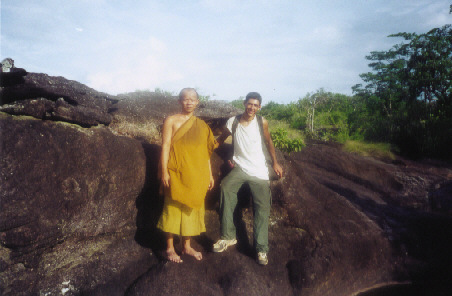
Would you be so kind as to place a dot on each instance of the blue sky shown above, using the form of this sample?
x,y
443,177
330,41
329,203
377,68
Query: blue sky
x,y
282,49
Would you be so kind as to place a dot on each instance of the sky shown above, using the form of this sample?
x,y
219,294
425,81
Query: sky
x,y
225,49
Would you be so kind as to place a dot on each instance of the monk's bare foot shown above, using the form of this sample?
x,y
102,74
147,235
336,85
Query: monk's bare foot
x,y
192,252
172,256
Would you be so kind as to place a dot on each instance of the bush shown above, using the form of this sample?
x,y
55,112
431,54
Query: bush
x,y
238,103
298,121
342,135
284,143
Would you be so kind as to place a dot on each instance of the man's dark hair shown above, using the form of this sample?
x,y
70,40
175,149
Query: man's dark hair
x,y
186,90
254,95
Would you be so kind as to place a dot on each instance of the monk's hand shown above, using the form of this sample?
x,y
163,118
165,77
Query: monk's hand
x,y
278,169
166,179
211,182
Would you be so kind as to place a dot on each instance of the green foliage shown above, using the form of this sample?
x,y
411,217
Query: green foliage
x,y
342,135
283,143
405,100
320,115
277,111
328,116
204,98
408,94
238,103
292,133
299,121
165,93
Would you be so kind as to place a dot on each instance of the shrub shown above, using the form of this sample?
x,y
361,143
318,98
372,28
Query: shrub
x,y
284,143
238,103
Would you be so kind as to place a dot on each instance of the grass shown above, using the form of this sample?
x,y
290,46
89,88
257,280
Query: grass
x,y
376,150
292,133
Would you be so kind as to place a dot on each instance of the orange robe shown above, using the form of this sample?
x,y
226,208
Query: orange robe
x,y
188,167
188,163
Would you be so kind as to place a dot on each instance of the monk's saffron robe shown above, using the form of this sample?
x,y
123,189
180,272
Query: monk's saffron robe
x,y
188,167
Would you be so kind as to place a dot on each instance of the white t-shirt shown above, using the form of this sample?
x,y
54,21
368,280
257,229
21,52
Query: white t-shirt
x,y
248,154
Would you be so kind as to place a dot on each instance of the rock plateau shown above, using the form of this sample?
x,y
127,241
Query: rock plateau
x,y
79,203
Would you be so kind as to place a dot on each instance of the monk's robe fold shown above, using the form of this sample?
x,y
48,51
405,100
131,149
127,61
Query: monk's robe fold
x,y
188,163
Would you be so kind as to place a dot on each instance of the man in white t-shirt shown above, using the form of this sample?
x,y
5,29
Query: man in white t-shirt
x,y
251,141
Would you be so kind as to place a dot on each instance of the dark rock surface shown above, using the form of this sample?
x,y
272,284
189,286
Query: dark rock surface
x,y
68,204
394,199
56,98
337,228
141,114
10,75
146,105
80,203
15,76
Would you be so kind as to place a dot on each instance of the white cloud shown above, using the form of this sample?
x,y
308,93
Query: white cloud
x,y
220,5
282,48
156,45
329,34
140,65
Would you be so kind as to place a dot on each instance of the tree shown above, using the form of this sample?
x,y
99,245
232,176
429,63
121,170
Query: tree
x,y
310,103
238,103
409,91
429,68
278,111
419,69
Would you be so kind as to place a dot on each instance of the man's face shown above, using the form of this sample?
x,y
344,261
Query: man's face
x,y
252,106
189,101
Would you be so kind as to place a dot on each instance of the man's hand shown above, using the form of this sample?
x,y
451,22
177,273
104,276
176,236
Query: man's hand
x,y
211,182
278,169
166,179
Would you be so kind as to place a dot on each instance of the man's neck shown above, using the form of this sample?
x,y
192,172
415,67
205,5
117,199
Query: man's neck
x,y
246,117
186,114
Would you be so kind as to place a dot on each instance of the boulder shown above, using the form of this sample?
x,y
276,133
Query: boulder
x,y
336,228
140,114
7,65
394,237
145,105
59,110
68,206
309,227
80,203
62,99
343,250
10,75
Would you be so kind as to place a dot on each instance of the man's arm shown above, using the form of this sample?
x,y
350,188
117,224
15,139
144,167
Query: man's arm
x,y
166,145
225,133
211,181
271,149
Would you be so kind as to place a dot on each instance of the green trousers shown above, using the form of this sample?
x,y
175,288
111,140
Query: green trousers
x,y
260,189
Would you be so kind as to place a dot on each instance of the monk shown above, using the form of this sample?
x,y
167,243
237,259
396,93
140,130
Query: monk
x,y
186,175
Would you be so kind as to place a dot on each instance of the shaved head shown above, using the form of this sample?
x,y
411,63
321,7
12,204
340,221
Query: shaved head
x,y
186,90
